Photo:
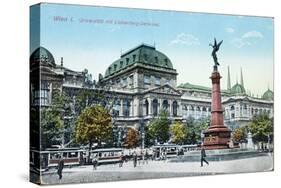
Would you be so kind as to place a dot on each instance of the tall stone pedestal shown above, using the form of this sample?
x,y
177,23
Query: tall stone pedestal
x,y
217,136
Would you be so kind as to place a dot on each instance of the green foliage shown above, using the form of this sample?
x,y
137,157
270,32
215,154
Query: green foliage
x,y
261,127
178,131
240,134
159,128
93,125
148,139
131,138
51,127
194,129
52,124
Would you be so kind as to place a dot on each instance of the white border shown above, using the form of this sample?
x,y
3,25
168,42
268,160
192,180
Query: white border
x,y
14,42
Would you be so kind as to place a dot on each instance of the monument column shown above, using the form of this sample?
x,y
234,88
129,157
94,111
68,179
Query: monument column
x,y
217,136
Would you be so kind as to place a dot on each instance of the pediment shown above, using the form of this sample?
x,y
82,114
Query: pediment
x,y
165,89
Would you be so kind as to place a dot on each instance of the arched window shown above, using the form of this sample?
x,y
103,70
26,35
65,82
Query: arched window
x,y
146,106
191,108
165,105
155,107
232,112
175,107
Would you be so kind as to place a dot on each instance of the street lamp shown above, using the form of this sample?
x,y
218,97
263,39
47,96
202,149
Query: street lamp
x,y
142,138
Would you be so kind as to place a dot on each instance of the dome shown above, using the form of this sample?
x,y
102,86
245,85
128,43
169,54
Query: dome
x,y
268,95
43,56
143,54
238,89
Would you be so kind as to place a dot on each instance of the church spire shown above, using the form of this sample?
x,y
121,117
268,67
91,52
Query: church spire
x,y
241,77
228,79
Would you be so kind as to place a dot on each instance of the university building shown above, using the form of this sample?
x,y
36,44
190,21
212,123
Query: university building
x,y
140,84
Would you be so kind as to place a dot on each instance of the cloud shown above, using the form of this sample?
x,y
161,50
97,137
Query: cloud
x,y
229,30
252,34
239,42
247,39
186,39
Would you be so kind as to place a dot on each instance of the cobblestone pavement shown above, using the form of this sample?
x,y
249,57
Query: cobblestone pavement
x,y
156,169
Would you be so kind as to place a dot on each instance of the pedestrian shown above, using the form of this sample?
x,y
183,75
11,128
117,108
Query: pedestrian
x,y
122,158
146,156
95,162
135,159
60,166
203,157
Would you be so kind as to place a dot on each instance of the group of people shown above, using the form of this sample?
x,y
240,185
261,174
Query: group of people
x,y
122,157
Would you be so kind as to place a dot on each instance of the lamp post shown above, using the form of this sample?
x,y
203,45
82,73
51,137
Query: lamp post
x,y
142,138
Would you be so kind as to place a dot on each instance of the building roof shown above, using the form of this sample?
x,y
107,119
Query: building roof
x,y
268,95
143,54
196,87
238,89
42,56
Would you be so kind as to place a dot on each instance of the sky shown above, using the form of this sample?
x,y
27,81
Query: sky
x,y
93,37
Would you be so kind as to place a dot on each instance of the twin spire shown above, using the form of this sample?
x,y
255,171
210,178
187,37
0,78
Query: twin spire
x,y
229,81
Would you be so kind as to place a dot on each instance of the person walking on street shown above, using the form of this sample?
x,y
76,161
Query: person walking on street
x,y
146,156
60,166
122,158
135,158
203,157
95,162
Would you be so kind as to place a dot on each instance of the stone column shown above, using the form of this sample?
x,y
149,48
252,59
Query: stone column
x,y
136,106
171,107
160,105
149,106
121,107
217,136
131,108
50,93
179,109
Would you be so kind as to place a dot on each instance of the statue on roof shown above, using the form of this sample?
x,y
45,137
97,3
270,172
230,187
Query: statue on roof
x,y
216,48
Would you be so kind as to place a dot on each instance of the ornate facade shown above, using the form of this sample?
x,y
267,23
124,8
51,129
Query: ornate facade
x,y
141,83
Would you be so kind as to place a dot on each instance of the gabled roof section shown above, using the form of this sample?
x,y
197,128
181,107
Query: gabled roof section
x,y
164,89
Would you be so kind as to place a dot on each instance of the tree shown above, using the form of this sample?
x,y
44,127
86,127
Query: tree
x,y
132,137
148,139
240,134
159,128
93,125
52,124
51,128
178,132
194,129
261,127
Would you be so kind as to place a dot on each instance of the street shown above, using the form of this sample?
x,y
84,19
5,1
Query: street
x,y
156,169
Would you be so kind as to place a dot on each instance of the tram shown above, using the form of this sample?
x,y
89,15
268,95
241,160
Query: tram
x,y
51,156
163,151
107,155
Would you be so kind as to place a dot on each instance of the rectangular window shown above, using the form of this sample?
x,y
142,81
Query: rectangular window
x,y
118,82
146,79
157,81
167,81
131,80
44,94
124,82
